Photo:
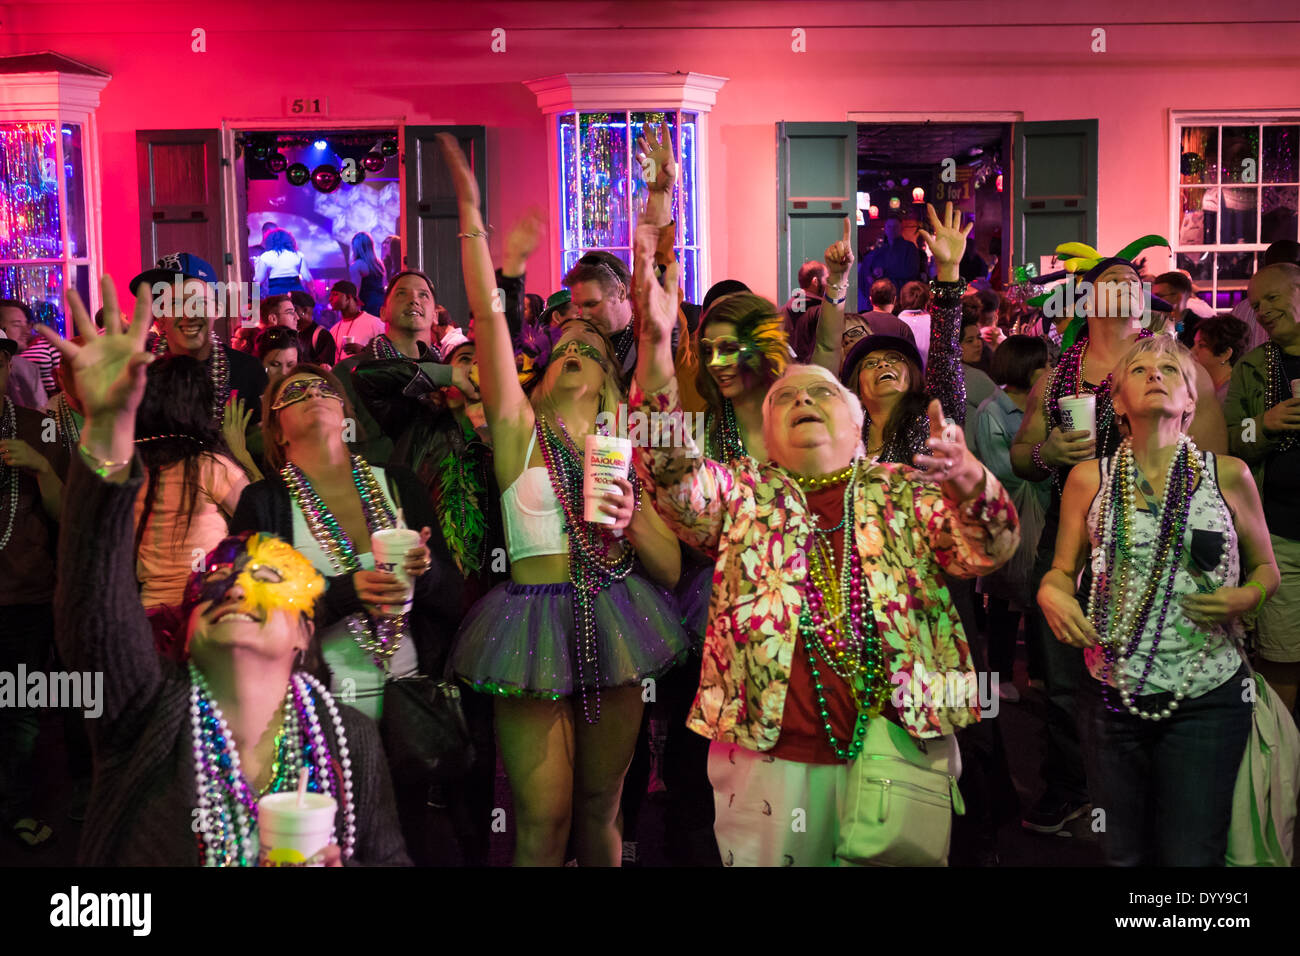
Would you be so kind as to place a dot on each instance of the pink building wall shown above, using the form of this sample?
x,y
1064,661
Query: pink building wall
x,y
431,63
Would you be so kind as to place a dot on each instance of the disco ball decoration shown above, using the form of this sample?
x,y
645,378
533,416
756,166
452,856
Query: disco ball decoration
x,y
297,174
326,178
372,162
389,147
276,162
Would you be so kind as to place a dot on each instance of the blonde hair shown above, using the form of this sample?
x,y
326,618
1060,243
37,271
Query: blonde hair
x,y
611,390
1158,345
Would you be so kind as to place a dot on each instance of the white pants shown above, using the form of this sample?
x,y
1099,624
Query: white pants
x,y
773,812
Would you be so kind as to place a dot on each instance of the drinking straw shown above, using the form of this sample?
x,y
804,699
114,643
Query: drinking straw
x,y
302,787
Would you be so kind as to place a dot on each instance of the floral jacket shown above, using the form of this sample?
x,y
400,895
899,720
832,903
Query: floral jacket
x,y
754,520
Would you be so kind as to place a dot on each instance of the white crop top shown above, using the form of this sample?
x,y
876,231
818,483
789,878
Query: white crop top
x,y
534,520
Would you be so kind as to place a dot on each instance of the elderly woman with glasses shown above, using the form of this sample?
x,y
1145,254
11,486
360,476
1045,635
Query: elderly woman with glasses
x,y
827,594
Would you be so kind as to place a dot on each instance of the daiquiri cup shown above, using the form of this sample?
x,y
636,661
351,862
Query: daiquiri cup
x,y
390,547
604,459
293,835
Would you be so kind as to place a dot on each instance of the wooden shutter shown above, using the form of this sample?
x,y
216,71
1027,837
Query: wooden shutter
x,y
1055,175
817,176
180,195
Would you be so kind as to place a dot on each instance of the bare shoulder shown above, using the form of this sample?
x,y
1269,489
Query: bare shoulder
x,y
1234,473
1084,478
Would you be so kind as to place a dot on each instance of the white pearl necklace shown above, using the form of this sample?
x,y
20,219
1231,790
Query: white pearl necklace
x,y
1123,623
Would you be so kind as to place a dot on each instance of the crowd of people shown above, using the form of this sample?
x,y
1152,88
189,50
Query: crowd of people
x,y
878,508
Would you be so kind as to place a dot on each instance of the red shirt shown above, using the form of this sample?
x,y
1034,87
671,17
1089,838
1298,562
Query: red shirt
x,y
803,736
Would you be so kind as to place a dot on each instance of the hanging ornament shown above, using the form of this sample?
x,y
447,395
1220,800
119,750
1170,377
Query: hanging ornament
x,y
276,162
326,178
372,162
297,174
259,149
389,147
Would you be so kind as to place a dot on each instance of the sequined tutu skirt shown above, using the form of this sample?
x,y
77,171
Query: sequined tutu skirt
x,y
693,595
520,639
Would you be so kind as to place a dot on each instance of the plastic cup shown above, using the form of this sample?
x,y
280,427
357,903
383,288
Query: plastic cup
x,y
604,459
1295,388
293,835
1079,413
390,547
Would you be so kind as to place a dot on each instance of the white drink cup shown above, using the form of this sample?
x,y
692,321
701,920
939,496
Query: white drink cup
x,y
390,547
604,459
1079,413
1295,388
293,835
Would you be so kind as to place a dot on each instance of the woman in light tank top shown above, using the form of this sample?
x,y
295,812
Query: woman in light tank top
x,y
564,646
1175,552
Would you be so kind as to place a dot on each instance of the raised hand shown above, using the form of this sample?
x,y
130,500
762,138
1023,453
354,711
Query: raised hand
x,y
839,255
656,304
523,240
950,461
947,241
109,370
462,177
655,154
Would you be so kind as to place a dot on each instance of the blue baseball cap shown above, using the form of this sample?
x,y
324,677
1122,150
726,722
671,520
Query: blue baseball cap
x,y
183,264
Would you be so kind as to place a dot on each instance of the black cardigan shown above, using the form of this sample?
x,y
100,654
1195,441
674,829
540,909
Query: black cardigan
x,y
143,803
265,506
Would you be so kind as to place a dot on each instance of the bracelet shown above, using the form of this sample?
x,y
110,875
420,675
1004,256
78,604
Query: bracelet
x,y
840,301
100,466
1038,458
947,292
472,235
1263,594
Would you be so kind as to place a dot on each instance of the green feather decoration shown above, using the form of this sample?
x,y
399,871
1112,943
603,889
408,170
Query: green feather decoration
x,y
458,499
1138,245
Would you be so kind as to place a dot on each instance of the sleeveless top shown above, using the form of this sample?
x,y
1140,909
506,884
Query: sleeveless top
x,y
1199,572
534,519
354,674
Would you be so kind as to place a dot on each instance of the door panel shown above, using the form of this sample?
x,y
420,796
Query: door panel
x,y
1055,176
817,181
432,218
180,195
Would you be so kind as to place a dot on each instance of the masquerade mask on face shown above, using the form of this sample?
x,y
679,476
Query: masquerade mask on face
x,y
300,388
272,575
723,351
590,351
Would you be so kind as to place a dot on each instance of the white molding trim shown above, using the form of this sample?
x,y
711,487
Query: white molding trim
x,y
696,92
62,92
920,116
1228,117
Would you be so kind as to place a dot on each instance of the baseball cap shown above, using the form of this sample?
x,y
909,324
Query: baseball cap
x,y
557,300
183,264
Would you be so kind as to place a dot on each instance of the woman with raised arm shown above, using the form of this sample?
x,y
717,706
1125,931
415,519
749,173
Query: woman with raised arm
x,y
184,751
885,370
567,643
1178,552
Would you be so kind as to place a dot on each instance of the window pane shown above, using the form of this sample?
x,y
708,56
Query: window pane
x,y
1279,219
1280,144
29,218
41,287
688,214
1238,215
1240,154
1198,265
74,183
639,190
689,258
1235,270
602,159
569,180
1200,154
1198,224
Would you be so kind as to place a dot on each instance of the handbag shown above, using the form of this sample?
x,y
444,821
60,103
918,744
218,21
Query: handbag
x,y
1262,829
899,802
424,732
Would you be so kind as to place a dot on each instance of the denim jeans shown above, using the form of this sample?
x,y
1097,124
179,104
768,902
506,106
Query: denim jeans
x,y
25,640
1166,785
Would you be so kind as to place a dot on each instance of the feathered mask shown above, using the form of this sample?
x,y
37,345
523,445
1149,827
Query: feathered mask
x,y
536,342
760,332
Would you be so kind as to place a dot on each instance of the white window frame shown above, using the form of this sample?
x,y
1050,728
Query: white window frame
x,y
1181,118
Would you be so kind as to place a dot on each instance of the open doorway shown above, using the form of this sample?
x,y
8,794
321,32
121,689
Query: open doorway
x,y
337,194
902,166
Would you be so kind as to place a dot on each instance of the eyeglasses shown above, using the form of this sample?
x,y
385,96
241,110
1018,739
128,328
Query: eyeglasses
x,y
853,333
819,392
889,358
299,389
724,350
584,348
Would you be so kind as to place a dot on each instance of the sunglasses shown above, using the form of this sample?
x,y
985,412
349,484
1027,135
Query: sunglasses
x,y
820,392
299,389
724,350
584,348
